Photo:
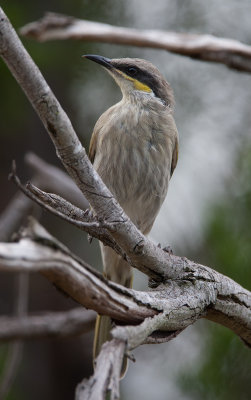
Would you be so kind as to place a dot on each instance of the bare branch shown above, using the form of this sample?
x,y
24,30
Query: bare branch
x,y
230,52
50,178
63,209
134,336
179,302
53,203
51,324
108,363
39,251
107,374
47,177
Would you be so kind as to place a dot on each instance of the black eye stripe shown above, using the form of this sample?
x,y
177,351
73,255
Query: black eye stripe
x,y
132,71
142,76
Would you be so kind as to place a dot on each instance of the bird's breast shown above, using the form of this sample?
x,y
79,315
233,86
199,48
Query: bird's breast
x,y
133,157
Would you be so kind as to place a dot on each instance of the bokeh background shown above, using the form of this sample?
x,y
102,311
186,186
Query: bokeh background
x,y
207,213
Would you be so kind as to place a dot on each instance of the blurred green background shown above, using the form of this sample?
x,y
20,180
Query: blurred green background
x,y
207,214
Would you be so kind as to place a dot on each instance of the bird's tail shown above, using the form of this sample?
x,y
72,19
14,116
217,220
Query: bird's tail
x,y
117,270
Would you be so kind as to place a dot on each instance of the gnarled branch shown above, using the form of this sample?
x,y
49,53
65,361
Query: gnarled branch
x,y
178,303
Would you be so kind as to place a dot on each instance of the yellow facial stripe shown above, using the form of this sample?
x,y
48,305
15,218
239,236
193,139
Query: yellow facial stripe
x,y
137,84
141,86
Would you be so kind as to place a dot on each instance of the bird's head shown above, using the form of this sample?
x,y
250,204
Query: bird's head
x,y
135,74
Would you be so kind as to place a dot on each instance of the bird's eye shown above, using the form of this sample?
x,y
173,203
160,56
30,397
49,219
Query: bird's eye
x,y
132,71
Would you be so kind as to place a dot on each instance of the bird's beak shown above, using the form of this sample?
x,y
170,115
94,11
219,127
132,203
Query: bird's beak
x,y
105,62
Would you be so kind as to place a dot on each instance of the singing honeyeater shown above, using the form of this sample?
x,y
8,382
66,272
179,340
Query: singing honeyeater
x,y
134,148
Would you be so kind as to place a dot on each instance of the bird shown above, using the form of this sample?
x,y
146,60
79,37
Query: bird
x,y
134,149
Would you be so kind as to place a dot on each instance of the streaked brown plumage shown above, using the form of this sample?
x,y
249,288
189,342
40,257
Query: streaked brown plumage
x,y
134,148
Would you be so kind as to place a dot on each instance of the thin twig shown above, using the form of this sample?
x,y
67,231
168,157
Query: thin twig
x,y
47,177
51,178
63,209
52,203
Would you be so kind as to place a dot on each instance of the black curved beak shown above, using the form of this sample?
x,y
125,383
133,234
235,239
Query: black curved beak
x,y
105,62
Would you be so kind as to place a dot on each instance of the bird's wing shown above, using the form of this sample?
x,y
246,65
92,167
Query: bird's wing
x,y
100,127
175,156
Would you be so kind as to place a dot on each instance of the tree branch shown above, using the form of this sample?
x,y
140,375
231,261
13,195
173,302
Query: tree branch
x,y
50,178
51,324
38,251
47,177
232,53
178,302
107,373
63,209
